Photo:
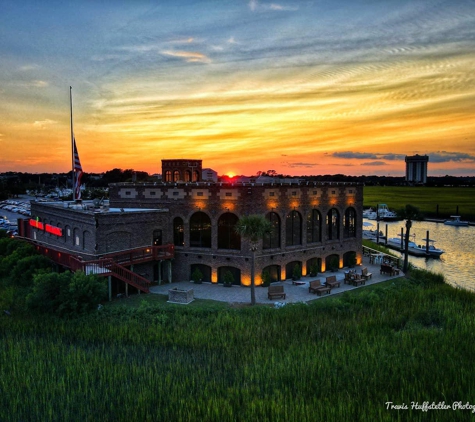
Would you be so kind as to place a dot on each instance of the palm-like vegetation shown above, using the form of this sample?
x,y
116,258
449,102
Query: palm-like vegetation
x,y
253,228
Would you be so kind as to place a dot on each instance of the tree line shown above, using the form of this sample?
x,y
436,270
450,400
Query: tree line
x,y
16,183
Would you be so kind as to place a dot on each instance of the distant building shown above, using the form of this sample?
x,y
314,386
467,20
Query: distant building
x,y
416,168
181,170
209,175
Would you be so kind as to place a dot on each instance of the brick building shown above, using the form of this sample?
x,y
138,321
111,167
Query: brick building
x,y
315,225
90,232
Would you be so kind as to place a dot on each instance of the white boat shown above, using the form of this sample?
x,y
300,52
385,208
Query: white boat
x,y
415,249
385,214
369,213
456,221
374,236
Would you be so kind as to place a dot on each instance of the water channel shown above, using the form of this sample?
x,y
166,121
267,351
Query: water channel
x,y
457,264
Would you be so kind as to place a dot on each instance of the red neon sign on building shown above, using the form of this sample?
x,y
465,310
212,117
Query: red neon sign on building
x,y
37,224
57,231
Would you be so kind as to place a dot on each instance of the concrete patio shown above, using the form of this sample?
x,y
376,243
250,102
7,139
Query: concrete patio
x,y
294,293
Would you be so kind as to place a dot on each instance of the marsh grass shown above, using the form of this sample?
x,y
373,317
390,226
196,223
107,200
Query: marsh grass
x,y
340,358
424,198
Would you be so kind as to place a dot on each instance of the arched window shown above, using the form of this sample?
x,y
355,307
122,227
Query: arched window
x,y
157,237
66,233
293,229
349,223
272,240
187,176
76,237
314,227
200,230
178,232
333,224
227,236
86,236
168,176
196,176
176,176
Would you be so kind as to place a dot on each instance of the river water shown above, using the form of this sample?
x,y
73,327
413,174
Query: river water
x,y
457,264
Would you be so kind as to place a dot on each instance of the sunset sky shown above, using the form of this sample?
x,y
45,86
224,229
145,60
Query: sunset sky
x,y
300,87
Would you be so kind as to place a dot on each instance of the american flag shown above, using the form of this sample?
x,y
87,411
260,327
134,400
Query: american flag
x,y
78,170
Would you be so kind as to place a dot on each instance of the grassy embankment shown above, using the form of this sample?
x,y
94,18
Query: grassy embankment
x,y
339,358
424,198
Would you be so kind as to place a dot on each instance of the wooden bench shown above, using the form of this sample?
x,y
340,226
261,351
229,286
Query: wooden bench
x,y
387,269
332,282
316,287
365,274
357,280
274,292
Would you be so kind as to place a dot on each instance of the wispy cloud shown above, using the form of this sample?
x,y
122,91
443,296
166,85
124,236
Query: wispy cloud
x,y
374,163
188,40
32,84
368,155
39,84
188,56
358,155
28,67
44,124
300,164
279,7
255,5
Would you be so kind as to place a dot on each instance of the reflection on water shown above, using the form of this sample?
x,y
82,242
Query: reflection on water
x,y
457,264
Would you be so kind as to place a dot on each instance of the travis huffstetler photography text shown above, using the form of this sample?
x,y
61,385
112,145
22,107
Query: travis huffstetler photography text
x,y
426,406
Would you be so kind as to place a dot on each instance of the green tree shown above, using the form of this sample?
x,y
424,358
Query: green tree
x,y
46,292
11,252
66,293
23,272
82,294
409,213
253,228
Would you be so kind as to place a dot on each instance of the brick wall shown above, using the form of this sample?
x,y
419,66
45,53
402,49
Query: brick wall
x,y
183,200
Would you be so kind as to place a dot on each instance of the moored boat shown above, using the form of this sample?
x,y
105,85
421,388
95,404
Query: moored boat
x,y
456,221
374,235
415,249
385,214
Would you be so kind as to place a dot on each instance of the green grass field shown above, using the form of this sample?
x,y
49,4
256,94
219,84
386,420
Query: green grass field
x,y
424,198
341,358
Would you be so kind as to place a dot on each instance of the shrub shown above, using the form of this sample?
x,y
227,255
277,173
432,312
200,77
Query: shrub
x,y
24,270
228,277
296,272
66,293
265,276
197,276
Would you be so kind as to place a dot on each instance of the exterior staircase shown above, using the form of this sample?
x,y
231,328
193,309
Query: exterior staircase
x,y
112,264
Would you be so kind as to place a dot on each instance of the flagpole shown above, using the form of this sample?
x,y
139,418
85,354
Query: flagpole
x,y
72,141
